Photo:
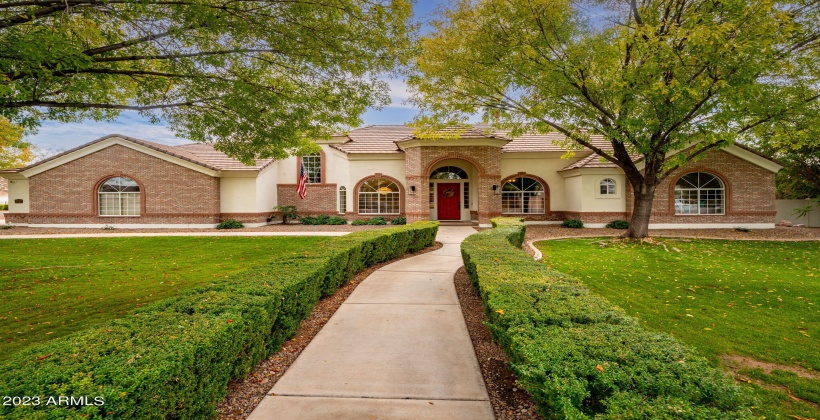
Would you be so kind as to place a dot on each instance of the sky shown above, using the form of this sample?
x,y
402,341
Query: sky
x,y
55,136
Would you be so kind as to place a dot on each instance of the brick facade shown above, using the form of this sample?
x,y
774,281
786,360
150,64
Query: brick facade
x,y
320,198
749,192
419,162
169,193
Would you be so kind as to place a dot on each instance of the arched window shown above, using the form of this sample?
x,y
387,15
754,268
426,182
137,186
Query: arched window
x,y
313,168
699,193
342,200
379,196
607,187
449,172
119,196
523,195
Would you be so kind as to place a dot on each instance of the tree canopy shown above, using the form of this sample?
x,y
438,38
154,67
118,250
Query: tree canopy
x,y
257,77
14,151
654,77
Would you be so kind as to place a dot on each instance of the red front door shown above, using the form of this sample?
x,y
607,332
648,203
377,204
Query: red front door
x,y
449,201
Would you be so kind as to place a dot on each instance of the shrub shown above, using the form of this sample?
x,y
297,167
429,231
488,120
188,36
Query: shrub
x,y
572,224
314,220
618,224
336,220
4,207
322,220
288,213
359,222
4,227
174,358
378,220
398,221
230,224
578,355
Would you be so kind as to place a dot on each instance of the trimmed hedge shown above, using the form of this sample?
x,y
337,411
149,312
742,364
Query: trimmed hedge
x,y
174,358
578,355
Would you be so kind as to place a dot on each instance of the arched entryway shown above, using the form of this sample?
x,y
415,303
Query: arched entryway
x,y
451,189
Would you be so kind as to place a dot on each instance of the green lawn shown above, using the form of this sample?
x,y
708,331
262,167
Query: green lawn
x,y
53,287
756,299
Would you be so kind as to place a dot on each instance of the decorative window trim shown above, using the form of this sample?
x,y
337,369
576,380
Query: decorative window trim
x,y
617,187
96,196
322,169
545,209
357,194
677,194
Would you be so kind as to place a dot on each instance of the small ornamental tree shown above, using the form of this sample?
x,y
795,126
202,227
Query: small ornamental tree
x,y
664,81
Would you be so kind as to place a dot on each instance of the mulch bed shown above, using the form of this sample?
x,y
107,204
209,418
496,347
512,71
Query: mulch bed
x,y
23,230
538,232
245,394
509,401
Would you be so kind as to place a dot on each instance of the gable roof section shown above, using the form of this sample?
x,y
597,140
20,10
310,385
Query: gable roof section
x,y
198,154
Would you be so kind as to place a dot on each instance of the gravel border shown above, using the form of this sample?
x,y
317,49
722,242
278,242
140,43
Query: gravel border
x,y
25,230
509,401
246,393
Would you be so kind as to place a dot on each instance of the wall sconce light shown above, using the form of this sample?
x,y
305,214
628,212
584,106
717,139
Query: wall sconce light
x,y
412,190
495,189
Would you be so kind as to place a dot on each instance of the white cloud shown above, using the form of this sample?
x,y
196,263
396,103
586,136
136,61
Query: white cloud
x,y
55,135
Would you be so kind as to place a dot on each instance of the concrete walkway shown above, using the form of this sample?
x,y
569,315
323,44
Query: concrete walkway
x,y
160,233
398,348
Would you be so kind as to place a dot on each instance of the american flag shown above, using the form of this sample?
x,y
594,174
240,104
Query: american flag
x,y
301,187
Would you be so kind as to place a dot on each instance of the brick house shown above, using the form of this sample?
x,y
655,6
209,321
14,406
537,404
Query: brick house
x,y
468,174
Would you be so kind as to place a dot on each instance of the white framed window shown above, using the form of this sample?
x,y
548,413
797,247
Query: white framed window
x,y
342,200
119,196
523,195
313,167
379,196
699,193
607,186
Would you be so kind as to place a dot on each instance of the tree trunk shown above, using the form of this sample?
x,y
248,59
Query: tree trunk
x,y
641,210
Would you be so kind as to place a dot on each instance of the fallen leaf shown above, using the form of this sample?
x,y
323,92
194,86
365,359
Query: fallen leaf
x,y
600,368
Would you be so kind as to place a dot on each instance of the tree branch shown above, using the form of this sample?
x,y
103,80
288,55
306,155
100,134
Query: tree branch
x,y
83,105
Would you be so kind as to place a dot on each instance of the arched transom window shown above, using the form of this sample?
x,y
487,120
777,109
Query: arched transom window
x,y
607,187
699,193
523,195
379,196
119,196
449,172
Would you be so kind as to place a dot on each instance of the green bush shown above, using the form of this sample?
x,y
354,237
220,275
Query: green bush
x,y
4,207
378,220
578,355
618,224
287,212
359,222
398,221
572,224
230,224
322,219
174,358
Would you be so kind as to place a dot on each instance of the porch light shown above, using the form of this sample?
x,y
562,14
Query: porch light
x,y
495,189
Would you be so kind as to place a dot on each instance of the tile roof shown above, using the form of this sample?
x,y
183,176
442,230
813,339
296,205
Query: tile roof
x,y
207,154
375,139
382,138
199,153
591,161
